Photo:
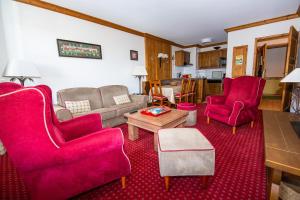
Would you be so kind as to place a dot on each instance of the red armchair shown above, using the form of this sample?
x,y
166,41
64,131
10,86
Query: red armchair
x,y
239,103
57,160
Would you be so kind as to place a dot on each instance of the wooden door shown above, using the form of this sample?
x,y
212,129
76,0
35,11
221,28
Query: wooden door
x,y
239,61
292,52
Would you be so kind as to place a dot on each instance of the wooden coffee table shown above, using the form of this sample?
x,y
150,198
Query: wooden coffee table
x,y
175,118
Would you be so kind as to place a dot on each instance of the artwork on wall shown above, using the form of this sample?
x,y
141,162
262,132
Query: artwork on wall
x,y
134,55
67,48
239,60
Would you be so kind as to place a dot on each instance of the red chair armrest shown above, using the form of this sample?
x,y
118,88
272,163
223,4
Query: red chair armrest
x,y
92,144
238,106
215,99
80,126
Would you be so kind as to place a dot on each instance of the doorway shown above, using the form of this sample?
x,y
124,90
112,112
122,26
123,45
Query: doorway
x,y
274,58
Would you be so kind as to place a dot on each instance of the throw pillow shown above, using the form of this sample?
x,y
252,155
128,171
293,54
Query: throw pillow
x,y
78,106
121,99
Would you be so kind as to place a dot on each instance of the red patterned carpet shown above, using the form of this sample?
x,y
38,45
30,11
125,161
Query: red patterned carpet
x,y
240,172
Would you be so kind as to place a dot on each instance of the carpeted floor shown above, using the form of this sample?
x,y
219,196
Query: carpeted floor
x,y
240,172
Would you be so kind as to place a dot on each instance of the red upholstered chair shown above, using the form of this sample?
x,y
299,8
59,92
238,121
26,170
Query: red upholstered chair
x,y
156,93
239,103
57,160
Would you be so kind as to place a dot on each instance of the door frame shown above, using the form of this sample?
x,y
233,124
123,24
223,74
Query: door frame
x,y
262,39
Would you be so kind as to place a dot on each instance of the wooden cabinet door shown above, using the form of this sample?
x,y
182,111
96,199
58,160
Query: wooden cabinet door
x,y
179,58
214,58
204,59
292,52
239,61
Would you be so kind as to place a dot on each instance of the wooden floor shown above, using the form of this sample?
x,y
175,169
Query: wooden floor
x,y
270,104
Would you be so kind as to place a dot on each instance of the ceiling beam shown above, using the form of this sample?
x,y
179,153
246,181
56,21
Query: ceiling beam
x,y
264,22
213,44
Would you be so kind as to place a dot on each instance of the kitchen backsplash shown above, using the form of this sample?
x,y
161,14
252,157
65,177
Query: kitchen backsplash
x,y
208,72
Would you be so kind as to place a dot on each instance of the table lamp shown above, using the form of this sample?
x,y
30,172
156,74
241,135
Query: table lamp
x,y
294,77
139,72
21,70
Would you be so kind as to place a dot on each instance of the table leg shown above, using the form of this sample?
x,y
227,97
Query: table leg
x,y
270,172
180,126
133,132
155,141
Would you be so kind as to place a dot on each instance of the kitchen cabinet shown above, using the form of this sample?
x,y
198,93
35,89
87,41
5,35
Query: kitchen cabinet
x,y
182,58
212,59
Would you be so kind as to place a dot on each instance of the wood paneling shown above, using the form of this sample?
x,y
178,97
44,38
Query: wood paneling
x,y
152,48
263,22
211,59
239,69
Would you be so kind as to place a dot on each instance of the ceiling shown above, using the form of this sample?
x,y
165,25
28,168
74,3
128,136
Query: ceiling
x,y
185,22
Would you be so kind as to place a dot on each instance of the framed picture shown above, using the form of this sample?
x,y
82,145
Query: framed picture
x,y
134,55
67,48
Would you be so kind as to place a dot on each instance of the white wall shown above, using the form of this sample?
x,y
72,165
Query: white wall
x,y
3,52
275,62
247,37
36,31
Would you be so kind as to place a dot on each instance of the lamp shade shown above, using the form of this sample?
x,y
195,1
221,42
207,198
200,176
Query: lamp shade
x,y
139,71
21,68
293,77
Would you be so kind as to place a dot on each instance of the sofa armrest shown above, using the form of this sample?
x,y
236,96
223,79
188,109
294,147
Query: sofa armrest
x,y
140,99
62,113
215,99
238,106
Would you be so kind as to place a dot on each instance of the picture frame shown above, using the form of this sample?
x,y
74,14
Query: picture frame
x,y
134,55
69,48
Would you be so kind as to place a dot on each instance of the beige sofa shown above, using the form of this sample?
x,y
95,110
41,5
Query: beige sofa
x,y
101,101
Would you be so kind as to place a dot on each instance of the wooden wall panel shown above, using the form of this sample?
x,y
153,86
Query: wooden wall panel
x,y
152,48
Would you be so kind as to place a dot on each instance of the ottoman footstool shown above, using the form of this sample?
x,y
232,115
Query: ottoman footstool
x,y
184,152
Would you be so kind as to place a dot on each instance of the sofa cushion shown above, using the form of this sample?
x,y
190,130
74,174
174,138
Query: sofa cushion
x,y
78,106
79,94
108,92
121,99
106,113
125,108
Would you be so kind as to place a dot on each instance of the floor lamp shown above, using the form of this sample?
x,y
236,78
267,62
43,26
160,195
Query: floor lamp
x,y
139,72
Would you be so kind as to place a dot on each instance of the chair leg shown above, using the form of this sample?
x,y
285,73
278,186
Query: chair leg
x,y
167,182
205,181
252,124
123,181
207,120
233,130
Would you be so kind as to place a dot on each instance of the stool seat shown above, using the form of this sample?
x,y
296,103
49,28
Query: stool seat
x,y
184,152
182,139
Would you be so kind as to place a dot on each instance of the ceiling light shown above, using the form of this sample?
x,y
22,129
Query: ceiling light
x,y
206,40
